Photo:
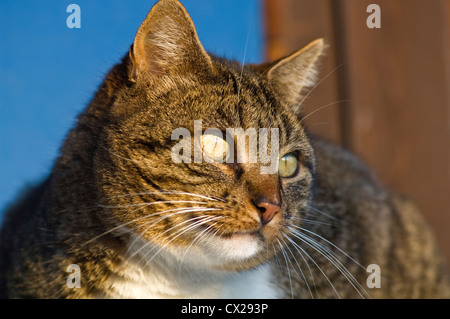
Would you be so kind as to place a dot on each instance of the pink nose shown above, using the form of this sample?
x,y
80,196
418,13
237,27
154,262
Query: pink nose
x,y
267,211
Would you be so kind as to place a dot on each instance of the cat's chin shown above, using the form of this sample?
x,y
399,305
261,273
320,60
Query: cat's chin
x,y
236,252
242,250
239,246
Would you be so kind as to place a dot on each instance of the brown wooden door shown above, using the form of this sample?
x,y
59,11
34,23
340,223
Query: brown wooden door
x,y
385,93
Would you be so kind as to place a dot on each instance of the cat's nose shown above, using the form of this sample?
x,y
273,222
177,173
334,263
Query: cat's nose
x,y
267,210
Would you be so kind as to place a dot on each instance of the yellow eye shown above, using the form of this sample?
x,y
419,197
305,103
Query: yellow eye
x,y
288,165
215,148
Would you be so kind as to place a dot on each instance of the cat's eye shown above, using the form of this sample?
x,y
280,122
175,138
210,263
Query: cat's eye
x,y
288,165
215,148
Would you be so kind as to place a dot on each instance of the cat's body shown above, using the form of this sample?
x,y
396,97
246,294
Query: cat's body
x,y
388,231
139,225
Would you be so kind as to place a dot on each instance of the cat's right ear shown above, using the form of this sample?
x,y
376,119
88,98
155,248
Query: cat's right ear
x,y
290,75
167,46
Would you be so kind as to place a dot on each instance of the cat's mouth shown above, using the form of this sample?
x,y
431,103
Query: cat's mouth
x,y
236,246
255,233
259,233
242,234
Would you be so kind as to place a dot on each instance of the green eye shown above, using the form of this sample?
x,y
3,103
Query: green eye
x,y
288,165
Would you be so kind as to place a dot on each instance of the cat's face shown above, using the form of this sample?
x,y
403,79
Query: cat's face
x,y
210,210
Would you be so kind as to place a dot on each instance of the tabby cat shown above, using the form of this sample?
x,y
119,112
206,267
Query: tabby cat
x,y
137,224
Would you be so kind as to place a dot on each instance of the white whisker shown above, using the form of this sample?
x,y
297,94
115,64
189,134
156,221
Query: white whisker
x,y
170,192
322,213
311,221
330,243
203,233
307,265
130,222
151,203
243,64
185,210
332,258
318,83
135,252
277,258
287,267
314,262
302,276
321,108
205,220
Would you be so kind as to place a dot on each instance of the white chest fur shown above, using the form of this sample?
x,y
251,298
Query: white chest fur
x,y
162,282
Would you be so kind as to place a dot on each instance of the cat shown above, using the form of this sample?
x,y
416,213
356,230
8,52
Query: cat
x,y
136,224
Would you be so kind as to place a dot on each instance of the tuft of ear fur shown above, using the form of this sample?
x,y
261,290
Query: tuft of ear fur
x,y
295,72
167,44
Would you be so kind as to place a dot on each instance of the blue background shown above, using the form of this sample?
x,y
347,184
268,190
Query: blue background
x,y
48,72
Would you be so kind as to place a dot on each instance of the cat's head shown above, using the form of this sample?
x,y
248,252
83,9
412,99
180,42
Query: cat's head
x,y
182,190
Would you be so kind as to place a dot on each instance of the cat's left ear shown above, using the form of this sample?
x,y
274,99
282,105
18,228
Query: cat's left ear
x,y
295,72
167,46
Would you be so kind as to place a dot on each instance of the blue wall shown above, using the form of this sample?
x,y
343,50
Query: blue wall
x,y
48,72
